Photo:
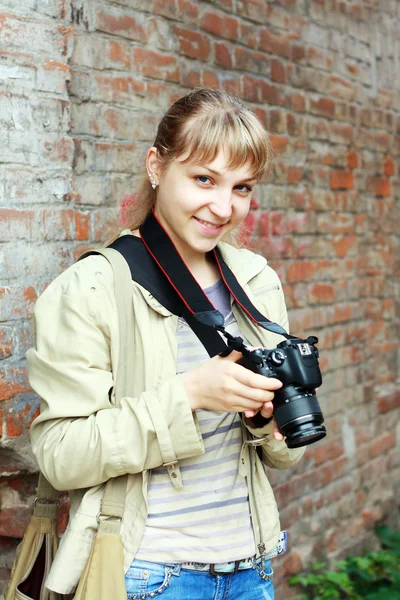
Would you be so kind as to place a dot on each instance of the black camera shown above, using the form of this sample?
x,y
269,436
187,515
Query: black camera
x,y
296,408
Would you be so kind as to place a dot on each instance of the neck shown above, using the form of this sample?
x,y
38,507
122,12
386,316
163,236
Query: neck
x,y
205,272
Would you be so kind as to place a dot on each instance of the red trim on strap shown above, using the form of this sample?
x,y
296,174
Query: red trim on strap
x,y
166,274
169,279
226,283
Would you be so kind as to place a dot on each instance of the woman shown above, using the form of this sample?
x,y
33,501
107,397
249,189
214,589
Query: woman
x,y
209,537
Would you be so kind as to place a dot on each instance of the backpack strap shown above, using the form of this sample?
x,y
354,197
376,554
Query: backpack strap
x,y
113,501
124,373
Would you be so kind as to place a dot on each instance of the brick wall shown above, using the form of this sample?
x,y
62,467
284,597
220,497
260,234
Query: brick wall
x,y
82,86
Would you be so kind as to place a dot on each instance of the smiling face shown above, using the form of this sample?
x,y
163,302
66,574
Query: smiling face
x,y
199,204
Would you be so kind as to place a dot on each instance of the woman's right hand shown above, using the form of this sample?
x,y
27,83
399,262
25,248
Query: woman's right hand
x,y
220,384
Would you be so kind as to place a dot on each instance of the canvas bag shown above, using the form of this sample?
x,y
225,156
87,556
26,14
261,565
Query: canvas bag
x,y
103,577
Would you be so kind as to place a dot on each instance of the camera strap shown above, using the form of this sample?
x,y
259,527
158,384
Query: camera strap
x,y
158,267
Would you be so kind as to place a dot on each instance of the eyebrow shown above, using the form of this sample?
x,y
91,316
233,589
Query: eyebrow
x,y
220,174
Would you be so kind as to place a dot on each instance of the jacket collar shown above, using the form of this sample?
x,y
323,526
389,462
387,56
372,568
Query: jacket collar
x,y
244,264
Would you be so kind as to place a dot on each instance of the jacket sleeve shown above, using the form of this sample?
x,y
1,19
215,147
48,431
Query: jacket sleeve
x,y
275,454
79,440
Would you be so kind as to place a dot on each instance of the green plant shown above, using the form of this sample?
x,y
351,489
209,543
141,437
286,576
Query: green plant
x,y
373,576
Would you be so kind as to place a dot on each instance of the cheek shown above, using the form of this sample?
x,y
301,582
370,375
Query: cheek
x,y
241,209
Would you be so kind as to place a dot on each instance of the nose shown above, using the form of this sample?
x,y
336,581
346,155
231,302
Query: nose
x,y
222,206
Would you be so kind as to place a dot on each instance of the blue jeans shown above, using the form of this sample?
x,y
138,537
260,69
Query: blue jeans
x,y
147,580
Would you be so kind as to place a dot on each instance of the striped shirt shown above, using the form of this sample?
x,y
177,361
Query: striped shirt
x,y
209,519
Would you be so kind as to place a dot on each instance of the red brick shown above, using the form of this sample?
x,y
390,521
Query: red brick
x,y
388,167
322,293
379,186
14,520
82,226
278,72
300,271
256,10
341,88
382,444
191,78
210,79
248,34
324,107
221,25
341,180
352,159
298,53
189,9
344,245
279,143
18,420
192,43
270,93
16,301
105,224
276,121
327,450
231,85
13,381
154,64
118,54
294,124
343,313
58,224
389,401
120,24
116,87
295,175
274,43
166,8
223,55
249,60
6,342
19,224
251,87
59,151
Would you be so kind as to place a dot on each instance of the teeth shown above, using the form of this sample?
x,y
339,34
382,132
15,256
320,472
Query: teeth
x,y
208,224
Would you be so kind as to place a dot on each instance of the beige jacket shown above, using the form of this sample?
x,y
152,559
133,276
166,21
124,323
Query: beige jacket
x,y
80,440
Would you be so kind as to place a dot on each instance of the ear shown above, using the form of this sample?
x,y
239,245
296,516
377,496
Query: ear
x,y
153,164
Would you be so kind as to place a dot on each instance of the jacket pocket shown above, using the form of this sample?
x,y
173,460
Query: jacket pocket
x,y
273,287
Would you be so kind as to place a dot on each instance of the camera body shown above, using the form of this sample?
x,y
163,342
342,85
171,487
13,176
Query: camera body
x,y
296,408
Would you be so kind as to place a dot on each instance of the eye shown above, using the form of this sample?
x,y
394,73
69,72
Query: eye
x,y
202,177
246,188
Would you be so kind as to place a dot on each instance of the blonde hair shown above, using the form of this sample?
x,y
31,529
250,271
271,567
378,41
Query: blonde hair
x,y
203,122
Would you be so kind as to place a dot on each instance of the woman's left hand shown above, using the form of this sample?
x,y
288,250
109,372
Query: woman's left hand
x,y
267,411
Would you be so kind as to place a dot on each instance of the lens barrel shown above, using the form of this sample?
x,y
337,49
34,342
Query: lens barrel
x,y
299,416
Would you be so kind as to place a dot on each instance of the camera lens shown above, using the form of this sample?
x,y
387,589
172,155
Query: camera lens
x,y
299,416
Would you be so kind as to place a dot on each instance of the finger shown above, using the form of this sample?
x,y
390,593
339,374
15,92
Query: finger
x,y
267,410
243,404
276,433
256,380
254,394
250,413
